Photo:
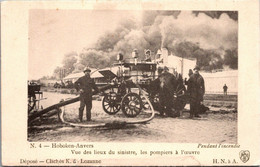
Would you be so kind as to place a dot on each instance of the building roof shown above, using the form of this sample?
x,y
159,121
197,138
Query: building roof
x,y
49,80
224,73
74,75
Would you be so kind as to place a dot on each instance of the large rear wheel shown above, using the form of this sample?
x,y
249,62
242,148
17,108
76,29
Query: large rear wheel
x,y
131,105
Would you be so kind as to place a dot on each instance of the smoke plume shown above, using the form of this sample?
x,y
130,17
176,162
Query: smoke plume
x,y
207,36
201,29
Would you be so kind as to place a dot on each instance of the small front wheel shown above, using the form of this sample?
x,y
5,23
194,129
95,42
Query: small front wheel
x,y
111,103
131,105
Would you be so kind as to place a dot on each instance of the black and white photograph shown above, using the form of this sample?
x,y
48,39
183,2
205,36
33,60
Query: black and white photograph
x,y
133,76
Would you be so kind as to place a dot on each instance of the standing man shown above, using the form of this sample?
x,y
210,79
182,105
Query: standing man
x,y
85,85
168,84
225,89
196,89
185,80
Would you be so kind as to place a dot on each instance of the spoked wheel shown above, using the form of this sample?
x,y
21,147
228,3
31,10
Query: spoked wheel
x,y
31,103
111,103
131,105
179,99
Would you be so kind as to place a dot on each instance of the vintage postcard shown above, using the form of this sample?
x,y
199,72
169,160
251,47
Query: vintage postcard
x,y
125,83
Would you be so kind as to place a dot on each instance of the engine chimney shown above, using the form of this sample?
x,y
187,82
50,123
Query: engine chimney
x,y
165,56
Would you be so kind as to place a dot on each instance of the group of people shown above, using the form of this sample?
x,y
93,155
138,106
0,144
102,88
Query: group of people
x,y
196,90
169,83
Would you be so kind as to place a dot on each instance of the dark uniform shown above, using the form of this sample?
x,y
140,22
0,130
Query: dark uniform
x,y
190,73
168,83
196,89
86,84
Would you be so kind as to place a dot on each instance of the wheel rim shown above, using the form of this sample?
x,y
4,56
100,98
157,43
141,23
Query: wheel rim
x,y
111,103
132,105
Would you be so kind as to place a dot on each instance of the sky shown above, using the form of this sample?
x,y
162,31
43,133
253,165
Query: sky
x,y
54,33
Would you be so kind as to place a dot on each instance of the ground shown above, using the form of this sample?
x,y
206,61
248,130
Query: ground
x,y
218,125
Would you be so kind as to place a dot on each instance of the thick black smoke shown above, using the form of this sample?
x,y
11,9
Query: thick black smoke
x,y
211,37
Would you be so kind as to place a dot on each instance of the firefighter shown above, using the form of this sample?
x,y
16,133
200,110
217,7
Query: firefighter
x,y
196,90
160,71
84,86
168,83
185,80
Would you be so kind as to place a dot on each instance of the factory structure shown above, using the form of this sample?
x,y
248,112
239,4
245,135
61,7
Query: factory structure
x,y
214,81
174,63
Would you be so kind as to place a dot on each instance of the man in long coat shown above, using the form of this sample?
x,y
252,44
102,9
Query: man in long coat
x,y
168,85
196,89
85,85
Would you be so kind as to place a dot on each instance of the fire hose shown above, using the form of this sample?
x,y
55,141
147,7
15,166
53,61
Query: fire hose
x,y
111,124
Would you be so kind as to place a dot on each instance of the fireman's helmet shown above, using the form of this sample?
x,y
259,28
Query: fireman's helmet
x,y
86,69
165,68
160,69
196,68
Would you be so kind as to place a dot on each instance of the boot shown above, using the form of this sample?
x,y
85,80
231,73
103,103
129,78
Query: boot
x,y
80,115
88,115
197,116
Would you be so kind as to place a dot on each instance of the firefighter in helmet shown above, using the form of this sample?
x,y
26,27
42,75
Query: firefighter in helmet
x,y
84,85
